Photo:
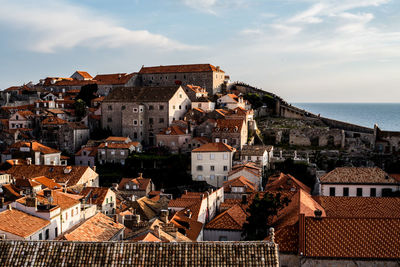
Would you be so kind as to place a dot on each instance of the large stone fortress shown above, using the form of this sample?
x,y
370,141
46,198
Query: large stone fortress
x,y
204,75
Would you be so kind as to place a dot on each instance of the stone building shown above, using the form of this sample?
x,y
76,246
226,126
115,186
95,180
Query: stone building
x,y
212,162
142,112
117,149
317,137
231,132
72,136
135,187
176,138
205,75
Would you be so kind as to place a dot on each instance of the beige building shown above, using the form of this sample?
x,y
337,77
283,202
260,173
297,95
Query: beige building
x,y
231,132
212,162
142,112
204,75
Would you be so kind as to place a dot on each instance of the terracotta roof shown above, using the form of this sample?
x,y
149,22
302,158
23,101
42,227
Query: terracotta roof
x,y
357,175
118,139
84,74
26,183
74,82
285,182
25,113
247,167
173,130
202,139
63,200
182,202
395,176
12,190
115,78
53,121
118,145
144,254
189,226
141,94
92,151
61,174
231,219
46,182
146,237
77,125
95,195
214,147
229,125
354,238
180,69
360,207
249,150
100,227
35,146
141,182
239,182
20,223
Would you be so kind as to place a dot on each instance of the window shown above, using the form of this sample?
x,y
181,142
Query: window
x,y
173,143
332,191
109,119
106,200
199,156
151,120
199,168
109,107
373,192
127,186
225,178
40,236
212,156
225,141
345,191
135,110
359,192
151,107
47,234
248,157
225,168
135,122
212,168
161,120
110,198
180,95
173,107
141,122
122,153
56,232
212,177
225,155
123,108
200,177
112,152
141,109
103,152
180,107
72,213
135,135
161,107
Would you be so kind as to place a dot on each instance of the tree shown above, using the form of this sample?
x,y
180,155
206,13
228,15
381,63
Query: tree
x,y
87,93
261,213
80,108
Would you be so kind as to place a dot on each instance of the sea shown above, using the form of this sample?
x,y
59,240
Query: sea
x,y
386,115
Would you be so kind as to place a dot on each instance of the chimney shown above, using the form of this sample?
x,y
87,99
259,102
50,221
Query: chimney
x,y
106,144
140,175
244,199
1,202
115,186
47,193
28,161
31,202
157,230
136,218
115,218
164,216
185,192
9,207
318,214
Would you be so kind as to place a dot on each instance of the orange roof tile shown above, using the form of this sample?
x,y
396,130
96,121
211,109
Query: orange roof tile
x,y
35,146
214,147
84,74
239,182
53,121
117,139
48,183
353,238
173,130
231,219
190,226
180,69
229,125
95,195
98,228
141,182
285,182
115,78
20,223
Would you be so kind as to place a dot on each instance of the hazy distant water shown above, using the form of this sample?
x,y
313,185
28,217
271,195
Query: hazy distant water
x,y
386,115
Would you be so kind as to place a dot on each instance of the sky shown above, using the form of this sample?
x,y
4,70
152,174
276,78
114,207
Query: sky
x,y
301,50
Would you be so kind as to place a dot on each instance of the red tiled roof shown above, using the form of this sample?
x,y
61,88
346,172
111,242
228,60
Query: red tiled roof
x,y
91,151
191,226
54,121
20,223
25,113
118,145
48,183
214,147
231,219
352,238
35,146
239,182
173,130
142,183
98,228
285,182
115,78
180,69
95,195
84,74
229,125
360,207
117,139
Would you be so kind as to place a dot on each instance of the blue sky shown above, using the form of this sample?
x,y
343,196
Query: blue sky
x,y
302,50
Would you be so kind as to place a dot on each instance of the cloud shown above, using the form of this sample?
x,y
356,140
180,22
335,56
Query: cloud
x,y
54,25
214,6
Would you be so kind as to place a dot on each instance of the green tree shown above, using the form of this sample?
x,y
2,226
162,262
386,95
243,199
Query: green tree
x,y
261,212
87,93
80,108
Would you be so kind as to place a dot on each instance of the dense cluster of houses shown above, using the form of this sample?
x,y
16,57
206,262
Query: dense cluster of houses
x,y
50,190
